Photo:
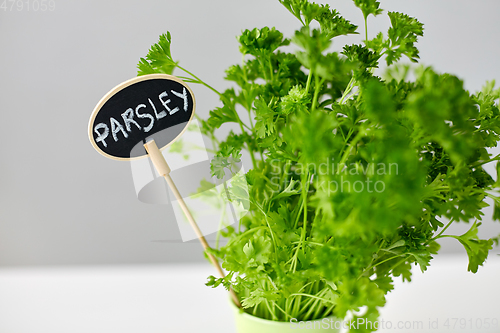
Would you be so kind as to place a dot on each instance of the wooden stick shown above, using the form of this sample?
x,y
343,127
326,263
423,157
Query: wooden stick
x,y
163,169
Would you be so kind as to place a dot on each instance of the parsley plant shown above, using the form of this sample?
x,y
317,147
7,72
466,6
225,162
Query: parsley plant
x,y
352,175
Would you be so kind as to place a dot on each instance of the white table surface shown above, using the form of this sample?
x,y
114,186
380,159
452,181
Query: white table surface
x,y
173,298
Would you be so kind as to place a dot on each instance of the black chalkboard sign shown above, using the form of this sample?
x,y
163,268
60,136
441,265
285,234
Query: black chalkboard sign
x,y
155,106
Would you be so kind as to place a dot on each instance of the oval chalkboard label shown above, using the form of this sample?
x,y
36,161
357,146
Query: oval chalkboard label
x,y
154,106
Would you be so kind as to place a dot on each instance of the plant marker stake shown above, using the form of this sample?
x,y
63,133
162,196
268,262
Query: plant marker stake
x,y
163,169
132,127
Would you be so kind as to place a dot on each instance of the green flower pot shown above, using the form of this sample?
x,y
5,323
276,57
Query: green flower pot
x,y
246,323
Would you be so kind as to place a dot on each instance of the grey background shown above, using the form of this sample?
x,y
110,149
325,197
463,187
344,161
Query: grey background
x,y
63,203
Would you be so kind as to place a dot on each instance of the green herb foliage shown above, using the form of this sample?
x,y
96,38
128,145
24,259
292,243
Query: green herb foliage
x,y
352,174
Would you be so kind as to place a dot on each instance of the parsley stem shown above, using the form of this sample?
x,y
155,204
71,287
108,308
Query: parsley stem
x,y
295,224
328,311
352,144
200,81
305,189
380,248
284,312
309,242
308,84
314,306
248,232
250,150
317,87
250,119
379,263
397,264
293,264
268,226
306,285
271,68
347,90
286,171
346,139
440,233
273,314
482,162
312,296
